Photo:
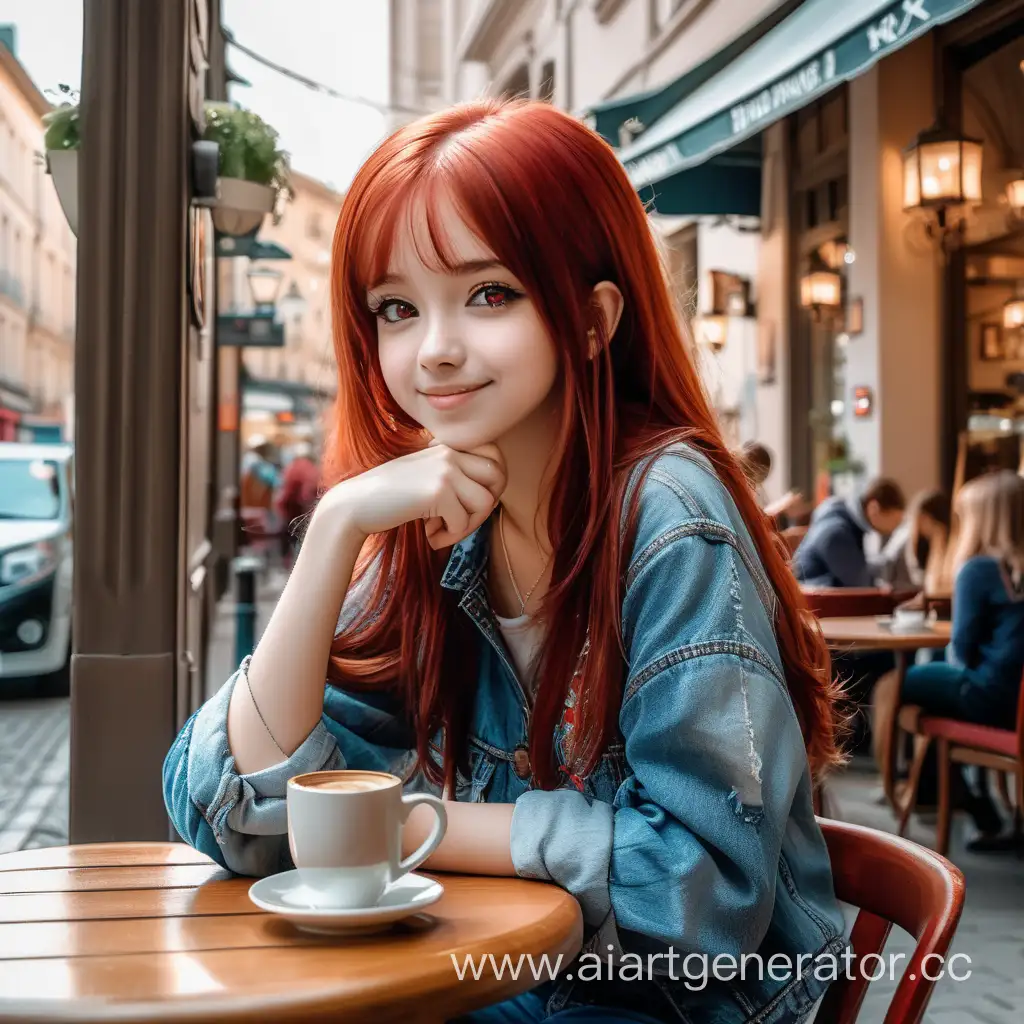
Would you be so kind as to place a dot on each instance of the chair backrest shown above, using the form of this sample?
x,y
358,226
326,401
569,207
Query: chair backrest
x,y
891,881
841,602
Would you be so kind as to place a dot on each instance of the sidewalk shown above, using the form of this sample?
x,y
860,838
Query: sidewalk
x,y
222,660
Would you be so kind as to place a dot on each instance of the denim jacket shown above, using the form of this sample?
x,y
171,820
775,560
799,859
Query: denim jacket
x,y
694,835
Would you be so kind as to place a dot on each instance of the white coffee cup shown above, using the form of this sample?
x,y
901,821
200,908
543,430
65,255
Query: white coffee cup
x,y
909,619
345,834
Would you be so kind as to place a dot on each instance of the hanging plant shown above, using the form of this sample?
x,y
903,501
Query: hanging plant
x,y
62,140
254,175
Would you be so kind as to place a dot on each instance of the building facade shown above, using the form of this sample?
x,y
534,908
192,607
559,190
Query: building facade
x,y
286,389
37,268
855,330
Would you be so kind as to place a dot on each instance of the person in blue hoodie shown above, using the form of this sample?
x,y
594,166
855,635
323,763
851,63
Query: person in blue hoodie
x,y
832,553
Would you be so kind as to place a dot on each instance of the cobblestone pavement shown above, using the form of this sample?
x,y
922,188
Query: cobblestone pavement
x,y
33,773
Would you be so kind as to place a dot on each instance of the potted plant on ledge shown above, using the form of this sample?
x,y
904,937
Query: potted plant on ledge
x,y
61,142
253,171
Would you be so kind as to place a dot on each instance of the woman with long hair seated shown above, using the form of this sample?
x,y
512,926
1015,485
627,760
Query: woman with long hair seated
x,y
540,586
980,679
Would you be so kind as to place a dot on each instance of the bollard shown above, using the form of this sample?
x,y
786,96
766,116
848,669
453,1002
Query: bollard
x,y
245,568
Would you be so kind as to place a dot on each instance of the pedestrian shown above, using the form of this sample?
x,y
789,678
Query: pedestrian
x,y
259,483
542,587
297,496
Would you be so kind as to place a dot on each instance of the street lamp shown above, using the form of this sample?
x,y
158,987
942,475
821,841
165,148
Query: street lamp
x,y
264,284
292,305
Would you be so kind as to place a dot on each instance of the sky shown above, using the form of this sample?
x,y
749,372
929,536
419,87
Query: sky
x,y
341,43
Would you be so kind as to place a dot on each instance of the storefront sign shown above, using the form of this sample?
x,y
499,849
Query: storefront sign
x,y
850,55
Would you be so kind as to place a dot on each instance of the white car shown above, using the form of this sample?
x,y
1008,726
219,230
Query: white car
x,y
36,556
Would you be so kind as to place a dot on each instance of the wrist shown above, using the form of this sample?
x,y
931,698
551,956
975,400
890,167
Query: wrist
x,y
334,521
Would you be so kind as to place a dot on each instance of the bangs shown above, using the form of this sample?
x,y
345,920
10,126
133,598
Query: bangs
x,y
416,207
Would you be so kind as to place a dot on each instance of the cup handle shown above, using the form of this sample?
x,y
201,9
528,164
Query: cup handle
x,y
433,841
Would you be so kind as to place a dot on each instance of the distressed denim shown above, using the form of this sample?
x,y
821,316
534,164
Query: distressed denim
x,y
695,834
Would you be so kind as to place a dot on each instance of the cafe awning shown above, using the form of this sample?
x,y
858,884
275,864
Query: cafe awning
x,y
639,111
819,45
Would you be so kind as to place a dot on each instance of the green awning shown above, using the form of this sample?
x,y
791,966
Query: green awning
x,y
727,185
644,108
821,44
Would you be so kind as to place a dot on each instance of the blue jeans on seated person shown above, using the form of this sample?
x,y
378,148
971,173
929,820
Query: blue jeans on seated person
x,y
945,690
529,1008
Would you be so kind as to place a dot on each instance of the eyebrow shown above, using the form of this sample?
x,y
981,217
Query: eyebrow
x,y
459,270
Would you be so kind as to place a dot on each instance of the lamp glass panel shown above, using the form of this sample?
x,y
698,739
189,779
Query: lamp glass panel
x,y
940,171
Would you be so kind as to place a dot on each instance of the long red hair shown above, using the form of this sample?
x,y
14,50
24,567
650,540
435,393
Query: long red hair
x,y
551,200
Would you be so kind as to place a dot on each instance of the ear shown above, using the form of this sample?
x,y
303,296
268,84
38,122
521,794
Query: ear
x,y
608,299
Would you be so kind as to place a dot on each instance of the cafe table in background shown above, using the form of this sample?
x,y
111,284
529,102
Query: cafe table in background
x,y
158,932
874,633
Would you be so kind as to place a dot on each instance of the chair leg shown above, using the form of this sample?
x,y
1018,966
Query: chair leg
x,y
1003,787
884,728
921,745
945,797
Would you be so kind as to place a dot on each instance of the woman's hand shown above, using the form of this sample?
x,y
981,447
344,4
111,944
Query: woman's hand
x,y
453,491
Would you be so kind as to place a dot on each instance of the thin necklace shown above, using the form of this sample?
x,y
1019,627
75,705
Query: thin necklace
x,y
512,576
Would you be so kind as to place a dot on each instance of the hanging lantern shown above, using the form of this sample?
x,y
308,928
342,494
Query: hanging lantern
x,y
941,168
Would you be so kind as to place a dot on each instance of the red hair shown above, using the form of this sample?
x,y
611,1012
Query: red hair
x,y
551,200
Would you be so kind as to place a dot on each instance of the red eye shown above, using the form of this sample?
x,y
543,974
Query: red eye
x,y
495,296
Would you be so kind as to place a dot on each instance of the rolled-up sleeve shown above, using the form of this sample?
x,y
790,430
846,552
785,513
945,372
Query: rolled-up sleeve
x,y
688,855
240,820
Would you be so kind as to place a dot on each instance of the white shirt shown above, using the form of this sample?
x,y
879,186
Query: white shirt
x,y
523,636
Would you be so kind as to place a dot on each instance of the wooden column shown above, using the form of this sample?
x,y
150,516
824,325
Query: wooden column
x,y
133,193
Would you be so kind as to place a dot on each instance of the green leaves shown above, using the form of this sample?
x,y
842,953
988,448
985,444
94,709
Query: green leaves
x,y
248,147
62,131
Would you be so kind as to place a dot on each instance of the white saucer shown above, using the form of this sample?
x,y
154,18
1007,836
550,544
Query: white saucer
x,y
284,894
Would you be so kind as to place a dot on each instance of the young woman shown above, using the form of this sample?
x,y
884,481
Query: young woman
x,y
917,554
559,604
980,679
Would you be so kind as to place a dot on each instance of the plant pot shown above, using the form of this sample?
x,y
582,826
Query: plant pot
x,y
62,166
241,205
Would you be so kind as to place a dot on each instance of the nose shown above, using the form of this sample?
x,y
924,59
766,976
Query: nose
x,y
441,347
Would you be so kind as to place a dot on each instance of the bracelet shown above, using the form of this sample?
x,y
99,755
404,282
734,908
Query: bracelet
x,y
252,697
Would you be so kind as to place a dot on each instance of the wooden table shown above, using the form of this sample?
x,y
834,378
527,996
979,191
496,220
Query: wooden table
x,y
864,633
158,932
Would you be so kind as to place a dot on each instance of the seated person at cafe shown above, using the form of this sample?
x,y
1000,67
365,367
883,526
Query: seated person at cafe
x,y
757,464
519,423
832,554
914,557
980,679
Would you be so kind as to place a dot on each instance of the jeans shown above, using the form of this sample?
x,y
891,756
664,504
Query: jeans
x,y
530,1008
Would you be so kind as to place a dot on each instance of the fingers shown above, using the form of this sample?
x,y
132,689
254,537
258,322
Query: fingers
x,y
475,503
485,467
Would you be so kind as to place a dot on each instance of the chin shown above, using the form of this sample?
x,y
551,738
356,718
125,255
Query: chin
x,y
463,437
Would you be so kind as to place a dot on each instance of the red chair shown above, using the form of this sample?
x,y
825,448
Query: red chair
x,y
891,881
1001,750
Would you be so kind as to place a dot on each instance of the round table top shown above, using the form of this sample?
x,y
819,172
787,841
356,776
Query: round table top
x,y
158,932
866,633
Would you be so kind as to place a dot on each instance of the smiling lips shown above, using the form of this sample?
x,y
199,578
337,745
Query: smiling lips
x,y
449,398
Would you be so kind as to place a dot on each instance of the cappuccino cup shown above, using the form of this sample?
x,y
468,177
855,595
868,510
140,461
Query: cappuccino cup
x,y
345,835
